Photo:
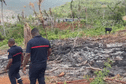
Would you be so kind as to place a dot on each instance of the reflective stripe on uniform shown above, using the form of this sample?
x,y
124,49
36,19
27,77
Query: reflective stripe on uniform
x,y
19,79
17,54
40,46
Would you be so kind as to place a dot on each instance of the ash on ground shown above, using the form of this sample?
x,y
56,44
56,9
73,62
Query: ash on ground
x,y
73,56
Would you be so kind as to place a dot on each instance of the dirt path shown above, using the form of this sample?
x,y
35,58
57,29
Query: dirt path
x,y
5,80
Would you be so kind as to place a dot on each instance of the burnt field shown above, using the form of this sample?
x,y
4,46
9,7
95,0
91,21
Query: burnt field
x,y
72,59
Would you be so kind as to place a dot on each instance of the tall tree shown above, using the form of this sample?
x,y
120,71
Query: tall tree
x,y
71,7
79,11
72,13
2,1
51,17
40,15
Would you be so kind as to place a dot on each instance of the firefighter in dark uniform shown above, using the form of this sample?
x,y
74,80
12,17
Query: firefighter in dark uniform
x,y
15,57
38,49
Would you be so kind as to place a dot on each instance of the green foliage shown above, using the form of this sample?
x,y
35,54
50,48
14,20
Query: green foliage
x,y
99,79
13,31
19,41
4,42
13,17
86,77
16,32
94,8
56,31
65,82
83,21
1,37
118,12
31,17
58,21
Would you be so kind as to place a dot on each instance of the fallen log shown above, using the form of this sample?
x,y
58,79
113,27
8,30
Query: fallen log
x,y
49,71
59,61
94,68
83,63
2,72
61,74
57,58
50,62
77,81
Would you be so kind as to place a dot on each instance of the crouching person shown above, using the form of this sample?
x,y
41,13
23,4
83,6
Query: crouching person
x,y
15,57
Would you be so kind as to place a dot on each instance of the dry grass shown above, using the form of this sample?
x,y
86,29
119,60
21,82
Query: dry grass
x,y
119,37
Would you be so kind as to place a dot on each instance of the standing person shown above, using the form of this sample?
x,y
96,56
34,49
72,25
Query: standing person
x,y
15,57
38,49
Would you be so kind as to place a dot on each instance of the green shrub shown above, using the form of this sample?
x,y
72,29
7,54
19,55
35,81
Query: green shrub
x,y
1,37
58,21
83,21
99,79
56,31
4,42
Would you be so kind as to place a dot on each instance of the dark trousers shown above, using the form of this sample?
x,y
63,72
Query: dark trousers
x,y
14,73
37,71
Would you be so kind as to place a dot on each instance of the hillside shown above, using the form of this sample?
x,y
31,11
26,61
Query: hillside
x,y
91,6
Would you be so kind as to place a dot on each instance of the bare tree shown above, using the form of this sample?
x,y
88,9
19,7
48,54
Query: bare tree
x,y
27,33
51,17
3,1
86,15
40,15
72,13
18,16
71,7
79,11
23,15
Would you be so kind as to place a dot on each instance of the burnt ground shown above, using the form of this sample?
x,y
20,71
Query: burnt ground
x,y
71,58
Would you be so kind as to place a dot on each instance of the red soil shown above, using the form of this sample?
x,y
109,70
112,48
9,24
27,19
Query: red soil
x,y
5,80
67,25
84,81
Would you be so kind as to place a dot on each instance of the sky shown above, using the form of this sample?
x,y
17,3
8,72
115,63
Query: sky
x,y
18,5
